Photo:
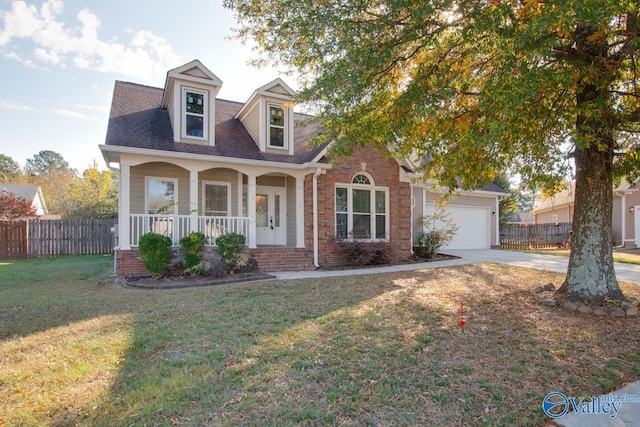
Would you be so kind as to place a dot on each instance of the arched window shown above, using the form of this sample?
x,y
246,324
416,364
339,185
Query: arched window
x,y
362,209
361,179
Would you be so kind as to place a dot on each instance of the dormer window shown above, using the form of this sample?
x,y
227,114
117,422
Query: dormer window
x,y
195,114
276,127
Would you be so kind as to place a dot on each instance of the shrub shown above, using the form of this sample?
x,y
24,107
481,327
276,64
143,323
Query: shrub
x,y
230,245
202,268
155,252
357,252
218,269
190,247
439,231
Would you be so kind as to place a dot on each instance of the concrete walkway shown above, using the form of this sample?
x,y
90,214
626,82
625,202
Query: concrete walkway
x,y
624,272
628,413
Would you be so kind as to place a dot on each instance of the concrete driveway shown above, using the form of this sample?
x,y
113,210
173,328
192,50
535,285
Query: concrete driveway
x,y
624,272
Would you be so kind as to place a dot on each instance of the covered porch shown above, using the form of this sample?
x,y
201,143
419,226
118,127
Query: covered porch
x,y
175,197
179,226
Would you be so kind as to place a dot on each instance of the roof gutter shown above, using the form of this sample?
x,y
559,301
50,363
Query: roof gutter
x,y
204,157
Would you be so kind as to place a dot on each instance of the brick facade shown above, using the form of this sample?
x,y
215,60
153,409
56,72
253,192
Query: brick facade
x,y
385,173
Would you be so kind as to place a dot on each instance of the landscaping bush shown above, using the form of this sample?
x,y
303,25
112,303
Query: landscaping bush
x,y
357,252
190,247
217,269
230,245
439,231
155,252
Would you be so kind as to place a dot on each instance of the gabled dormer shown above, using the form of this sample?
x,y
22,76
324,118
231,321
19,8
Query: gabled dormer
x,y
268,117
189,96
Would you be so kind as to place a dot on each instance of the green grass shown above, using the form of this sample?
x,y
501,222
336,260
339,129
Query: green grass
x,y
364,350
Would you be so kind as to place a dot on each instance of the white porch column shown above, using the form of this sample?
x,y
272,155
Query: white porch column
x,y
299,212
193,201
251,210
240,191
124,207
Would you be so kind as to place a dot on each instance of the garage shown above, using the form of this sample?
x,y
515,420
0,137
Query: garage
x,y
473,226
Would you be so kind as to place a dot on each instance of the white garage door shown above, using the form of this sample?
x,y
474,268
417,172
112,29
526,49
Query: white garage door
x,y
473,226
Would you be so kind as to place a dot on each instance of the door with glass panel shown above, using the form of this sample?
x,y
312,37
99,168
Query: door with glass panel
x,y
270,216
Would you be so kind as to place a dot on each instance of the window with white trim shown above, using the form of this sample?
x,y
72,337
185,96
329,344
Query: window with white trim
x,y
161,195
362,210
195,114
276,131
216,197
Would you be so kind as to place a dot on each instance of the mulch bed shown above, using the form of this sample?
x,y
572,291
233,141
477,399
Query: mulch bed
x,y
185,281
181,281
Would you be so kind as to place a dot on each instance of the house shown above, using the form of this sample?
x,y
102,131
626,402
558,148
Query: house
x,y
625,216
557,208
190,161
32,193
521,217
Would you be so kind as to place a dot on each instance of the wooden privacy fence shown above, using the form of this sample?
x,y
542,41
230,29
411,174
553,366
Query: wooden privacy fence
x,y
535,236
13,239
43,238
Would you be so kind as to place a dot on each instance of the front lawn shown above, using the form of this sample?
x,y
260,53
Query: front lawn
x,y
381,349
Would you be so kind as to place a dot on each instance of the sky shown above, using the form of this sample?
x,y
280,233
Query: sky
x,y
59,61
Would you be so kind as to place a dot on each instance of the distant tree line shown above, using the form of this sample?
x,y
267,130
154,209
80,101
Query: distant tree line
x,y
68,193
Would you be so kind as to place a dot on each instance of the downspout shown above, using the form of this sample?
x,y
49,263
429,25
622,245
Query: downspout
x,y
413,205
623,222
315,217
115,253
496,222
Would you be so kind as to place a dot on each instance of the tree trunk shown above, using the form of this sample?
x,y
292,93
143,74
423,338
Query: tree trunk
x,y
591,276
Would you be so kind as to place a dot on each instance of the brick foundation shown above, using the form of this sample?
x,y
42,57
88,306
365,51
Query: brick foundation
x,y
129,264
283,259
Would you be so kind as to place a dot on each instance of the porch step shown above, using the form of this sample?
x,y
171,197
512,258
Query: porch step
x,y
274,258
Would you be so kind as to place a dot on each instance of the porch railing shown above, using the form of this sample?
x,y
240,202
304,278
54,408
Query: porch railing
x,y
178,226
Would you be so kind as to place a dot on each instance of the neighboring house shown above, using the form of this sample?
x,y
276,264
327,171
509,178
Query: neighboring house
x,y
556,209
625,217
522,217
191,162
32,193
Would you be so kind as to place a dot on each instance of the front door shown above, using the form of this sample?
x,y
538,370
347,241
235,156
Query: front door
x,y
270,218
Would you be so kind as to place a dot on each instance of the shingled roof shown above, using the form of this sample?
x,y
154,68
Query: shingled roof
x,y
137,120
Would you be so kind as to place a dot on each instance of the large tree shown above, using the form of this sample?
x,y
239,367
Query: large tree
x,y
45,163
473,87
49,170
94,195
9,170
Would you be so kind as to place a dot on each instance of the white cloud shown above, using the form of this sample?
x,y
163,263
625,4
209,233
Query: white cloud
x,y
56,42
97,108
8,105
75,115
24,61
